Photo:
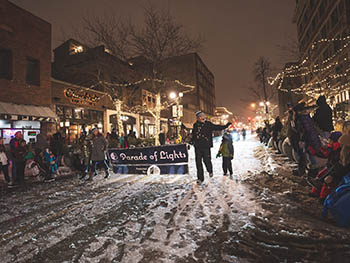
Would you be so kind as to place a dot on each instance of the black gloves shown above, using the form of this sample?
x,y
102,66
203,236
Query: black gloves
x,y
228,124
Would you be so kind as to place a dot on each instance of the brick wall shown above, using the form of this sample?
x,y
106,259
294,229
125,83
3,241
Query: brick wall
x,y
26,36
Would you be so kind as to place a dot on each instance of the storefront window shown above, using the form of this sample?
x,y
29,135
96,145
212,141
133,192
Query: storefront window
x,y
59,111
85,114
69,113
77,114
93,115
100,116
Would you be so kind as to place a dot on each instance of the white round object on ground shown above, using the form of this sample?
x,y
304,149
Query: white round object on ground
x,y
153,170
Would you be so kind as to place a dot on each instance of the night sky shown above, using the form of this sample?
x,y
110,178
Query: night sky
x,y
237,32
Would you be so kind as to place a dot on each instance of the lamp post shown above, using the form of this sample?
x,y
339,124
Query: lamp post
x,y
177,112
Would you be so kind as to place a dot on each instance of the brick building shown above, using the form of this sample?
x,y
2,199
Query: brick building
x,y
25,73
326,63
97,69
190,70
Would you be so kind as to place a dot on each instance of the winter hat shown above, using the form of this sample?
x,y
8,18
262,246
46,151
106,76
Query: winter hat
x,y
199,113
93,129
335,136
29,156
345,140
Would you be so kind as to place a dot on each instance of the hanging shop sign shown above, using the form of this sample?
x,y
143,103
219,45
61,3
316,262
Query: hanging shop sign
x,y
81,97
170,159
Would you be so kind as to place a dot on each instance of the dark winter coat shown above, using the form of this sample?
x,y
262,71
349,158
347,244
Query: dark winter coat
x,y
277,128
308,131
98,148
41,142
202,133
17,151
323,115
162,138
57,144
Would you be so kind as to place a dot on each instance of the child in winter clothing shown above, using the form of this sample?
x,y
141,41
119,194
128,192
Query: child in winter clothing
x,y
51,160
86,157
226,150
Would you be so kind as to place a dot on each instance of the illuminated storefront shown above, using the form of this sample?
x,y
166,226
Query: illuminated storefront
x,y
29,119
79,109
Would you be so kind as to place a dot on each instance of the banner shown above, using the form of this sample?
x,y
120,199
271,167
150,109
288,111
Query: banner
x,y
170,159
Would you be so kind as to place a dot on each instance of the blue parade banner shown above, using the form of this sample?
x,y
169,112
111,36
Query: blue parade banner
x,y
171,159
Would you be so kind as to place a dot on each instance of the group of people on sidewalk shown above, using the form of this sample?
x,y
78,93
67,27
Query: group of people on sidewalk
x,y
313,139
43,159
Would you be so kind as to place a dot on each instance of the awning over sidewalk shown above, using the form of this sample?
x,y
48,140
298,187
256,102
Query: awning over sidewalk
x,y
11,111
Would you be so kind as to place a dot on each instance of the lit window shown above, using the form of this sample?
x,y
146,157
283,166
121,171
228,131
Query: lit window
x,y
77,49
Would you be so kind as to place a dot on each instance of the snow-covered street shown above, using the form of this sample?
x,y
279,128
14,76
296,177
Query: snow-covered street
x,y
250,217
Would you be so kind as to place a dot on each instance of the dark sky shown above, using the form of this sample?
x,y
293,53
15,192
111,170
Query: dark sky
x,y
237,32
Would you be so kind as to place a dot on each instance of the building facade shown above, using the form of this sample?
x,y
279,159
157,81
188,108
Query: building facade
x,y
323,27
25,73
285,94
191,70
99,71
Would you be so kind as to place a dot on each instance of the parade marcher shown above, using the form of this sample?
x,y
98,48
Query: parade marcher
x,y
226,150
98,148
323,117
202,139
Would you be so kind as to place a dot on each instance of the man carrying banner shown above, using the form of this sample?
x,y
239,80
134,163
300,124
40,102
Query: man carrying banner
x,y
202,139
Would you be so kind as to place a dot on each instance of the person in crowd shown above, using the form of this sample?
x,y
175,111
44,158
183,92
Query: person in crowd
x,y
202,139
44,168
323,117
41,142
18,151
98,148
226,150
333,177
320,187
244,134
5,161
123,141
114,135
292,132
309,143
276,130
161,137
51,160
132,138
57,146
86,158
